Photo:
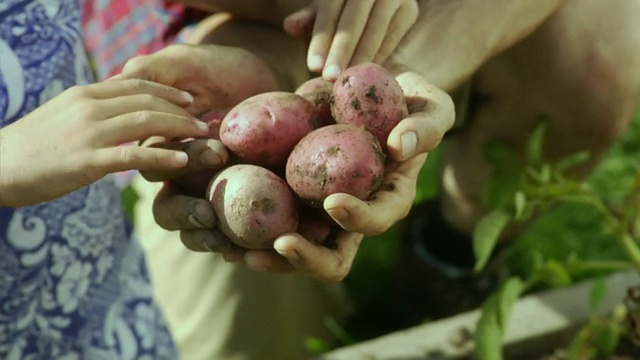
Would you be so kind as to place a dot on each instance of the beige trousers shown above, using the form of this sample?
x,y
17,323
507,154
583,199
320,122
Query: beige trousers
x,y
218,310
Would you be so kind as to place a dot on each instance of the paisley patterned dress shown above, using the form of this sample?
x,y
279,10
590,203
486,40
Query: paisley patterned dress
x,y
73,281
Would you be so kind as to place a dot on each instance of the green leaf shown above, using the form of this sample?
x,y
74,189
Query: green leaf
x,y
606,337
486,234
545,173
488,335
338,331
598,291
555,274
317,346
570,161
520,202
509,293
498,153
579,348
506,177
536,142
537,260
501,188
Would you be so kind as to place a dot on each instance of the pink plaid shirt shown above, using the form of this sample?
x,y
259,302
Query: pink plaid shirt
x,y
117,30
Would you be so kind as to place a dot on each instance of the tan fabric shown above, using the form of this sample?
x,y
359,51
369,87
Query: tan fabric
x,y
217,310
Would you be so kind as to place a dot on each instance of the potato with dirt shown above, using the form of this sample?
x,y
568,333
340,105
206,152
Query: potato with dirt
x,y
338,158
319,91
263,129
368,95
253,205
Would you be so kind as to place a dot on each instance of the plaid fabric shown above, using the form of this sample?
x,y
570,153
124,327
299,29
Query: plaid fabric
x,y
117,30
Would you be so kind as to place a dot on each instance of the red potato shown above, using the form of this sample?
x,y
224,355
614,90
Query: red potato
x,y
337,158
368,95
253,205
319,92
263,129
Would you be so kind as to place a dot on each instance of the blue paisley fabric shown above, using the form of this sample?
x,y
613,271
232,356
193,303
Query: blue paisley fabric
x,y
73,281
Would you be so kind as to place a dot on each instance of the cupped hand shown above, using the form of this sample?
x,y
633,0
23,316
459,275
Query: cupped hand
x,y
348,32
75,139
217,76
431,115
194,218
196,221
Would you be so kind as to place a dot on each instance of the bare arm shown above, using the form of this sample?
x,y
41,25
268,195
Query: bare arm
x,y
452,39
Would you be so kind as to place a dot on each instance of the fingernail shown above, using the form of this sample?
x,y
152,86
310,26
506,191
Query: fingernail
x,y
332,72
210,243
210,157
194,221
231,258
202,126
180,158
409,142
290,254
187,97
202,215
339,213
316,62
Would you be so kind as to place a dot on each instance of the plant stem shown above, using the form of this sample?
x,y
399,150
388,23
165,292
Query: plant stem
x,y
630,246
602,266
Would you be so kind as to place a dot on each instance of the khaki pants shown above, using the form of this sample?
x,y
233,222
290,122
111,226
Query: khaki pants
x,y
218,310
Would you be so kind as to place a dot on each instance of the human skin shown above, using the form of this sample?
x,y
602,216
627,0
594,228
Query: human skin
x,y
575,62
349,32
74,139
294,253
505,53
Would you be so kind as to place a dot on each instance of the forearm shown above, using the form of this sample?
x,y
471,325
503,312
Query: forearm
x,y
452,39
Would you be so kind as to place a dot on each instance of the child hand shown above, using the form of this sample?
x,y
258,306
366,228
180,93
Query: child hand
x,y
348,32
74,139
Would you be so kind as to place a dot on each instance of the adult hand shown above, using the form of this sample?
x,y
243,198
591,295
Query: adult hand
x,y
431,114
196,221
217,76
213,78
75,139
347,32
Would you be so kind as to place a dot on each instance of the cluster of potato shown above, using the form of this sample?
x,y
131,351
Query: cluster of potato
x,y
289,151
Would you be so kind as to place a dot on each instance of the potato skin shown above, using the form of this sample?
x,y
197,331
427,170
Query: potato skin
x,y
263,129
253,205
337,158
319,91
368,95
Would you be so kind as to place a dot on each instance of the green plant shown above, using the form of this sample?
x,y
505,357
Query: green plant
x,y
523,188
